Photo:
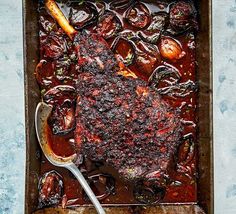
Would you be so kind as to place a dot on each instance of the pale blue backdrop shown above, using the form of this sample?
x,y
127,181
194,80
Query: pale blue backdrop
x,y
12,137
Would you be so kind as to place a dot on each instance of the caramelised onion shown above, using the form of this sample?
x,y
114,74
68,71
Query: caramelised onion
x,y
124,50
148,194
102,185
50,189
147,57
82,15
62,118
138,16
170,49
183,16
108,25
154,30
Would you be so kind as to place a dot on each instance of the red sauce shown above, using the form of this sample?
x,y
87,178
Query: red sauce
x,y
183,188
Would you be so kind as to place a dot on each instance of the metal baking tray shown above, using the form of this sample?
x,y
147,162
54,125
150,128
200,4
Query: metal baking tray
x,y
205,137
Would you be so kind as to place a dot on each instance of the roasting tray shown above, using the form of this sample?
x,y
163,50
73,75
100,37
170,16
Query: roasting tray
x,y
205,142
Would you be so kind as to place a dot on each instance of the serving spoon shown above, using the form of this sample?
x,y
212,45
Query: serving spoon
x,y
42,113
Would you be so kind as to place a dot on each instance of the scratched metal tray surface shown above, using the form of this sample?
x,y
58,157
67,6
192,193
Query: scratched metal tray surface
x,y
205,141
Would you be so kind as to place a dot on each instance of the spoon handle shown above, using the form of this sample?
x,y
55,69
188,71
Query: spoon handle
x,y
73,168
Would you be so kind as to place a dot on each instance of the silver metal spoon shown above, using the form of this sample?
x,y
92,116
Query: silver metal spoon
x,y
41,115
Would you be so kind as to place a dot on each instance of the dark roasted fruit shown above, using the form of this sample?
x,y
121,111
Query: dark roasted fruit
x,y
183,16
148,194
59,72
62,118
54,47
167,80
163,76
44,73
82,15
108,25
154,30
138,16
50,189
102,185
147,57
124,50
121,4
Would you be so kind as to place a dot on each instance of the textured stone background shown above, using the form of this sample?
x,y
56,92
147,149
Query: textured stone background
x,y
12,145
224,54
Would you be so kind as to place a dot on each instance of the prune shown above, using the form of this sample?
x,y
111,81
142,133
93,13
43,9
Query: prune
x,y
154,30
108,25
55,46
183,16
124,50
82,15
147,57
149,194
138,16
120,4
164,76
102,185
50,189
167,81
62,118
44,73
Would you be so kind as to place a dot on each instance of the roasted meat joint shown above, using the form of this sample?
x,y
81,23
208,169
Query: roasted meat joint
x,y
120,77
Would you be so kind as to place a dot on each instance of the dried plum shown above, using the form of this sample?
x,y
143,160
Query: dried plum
x,y
147,57
149,194
62,118
164,75
138,16
183,16
124,50
154,30
121,4
44,73
82,15
167,81
55,46
102,185
50,189
108,25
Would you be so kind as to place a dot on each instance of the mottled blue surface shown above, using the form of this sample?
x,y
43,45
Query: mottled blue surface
x,y
224,63
12,138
